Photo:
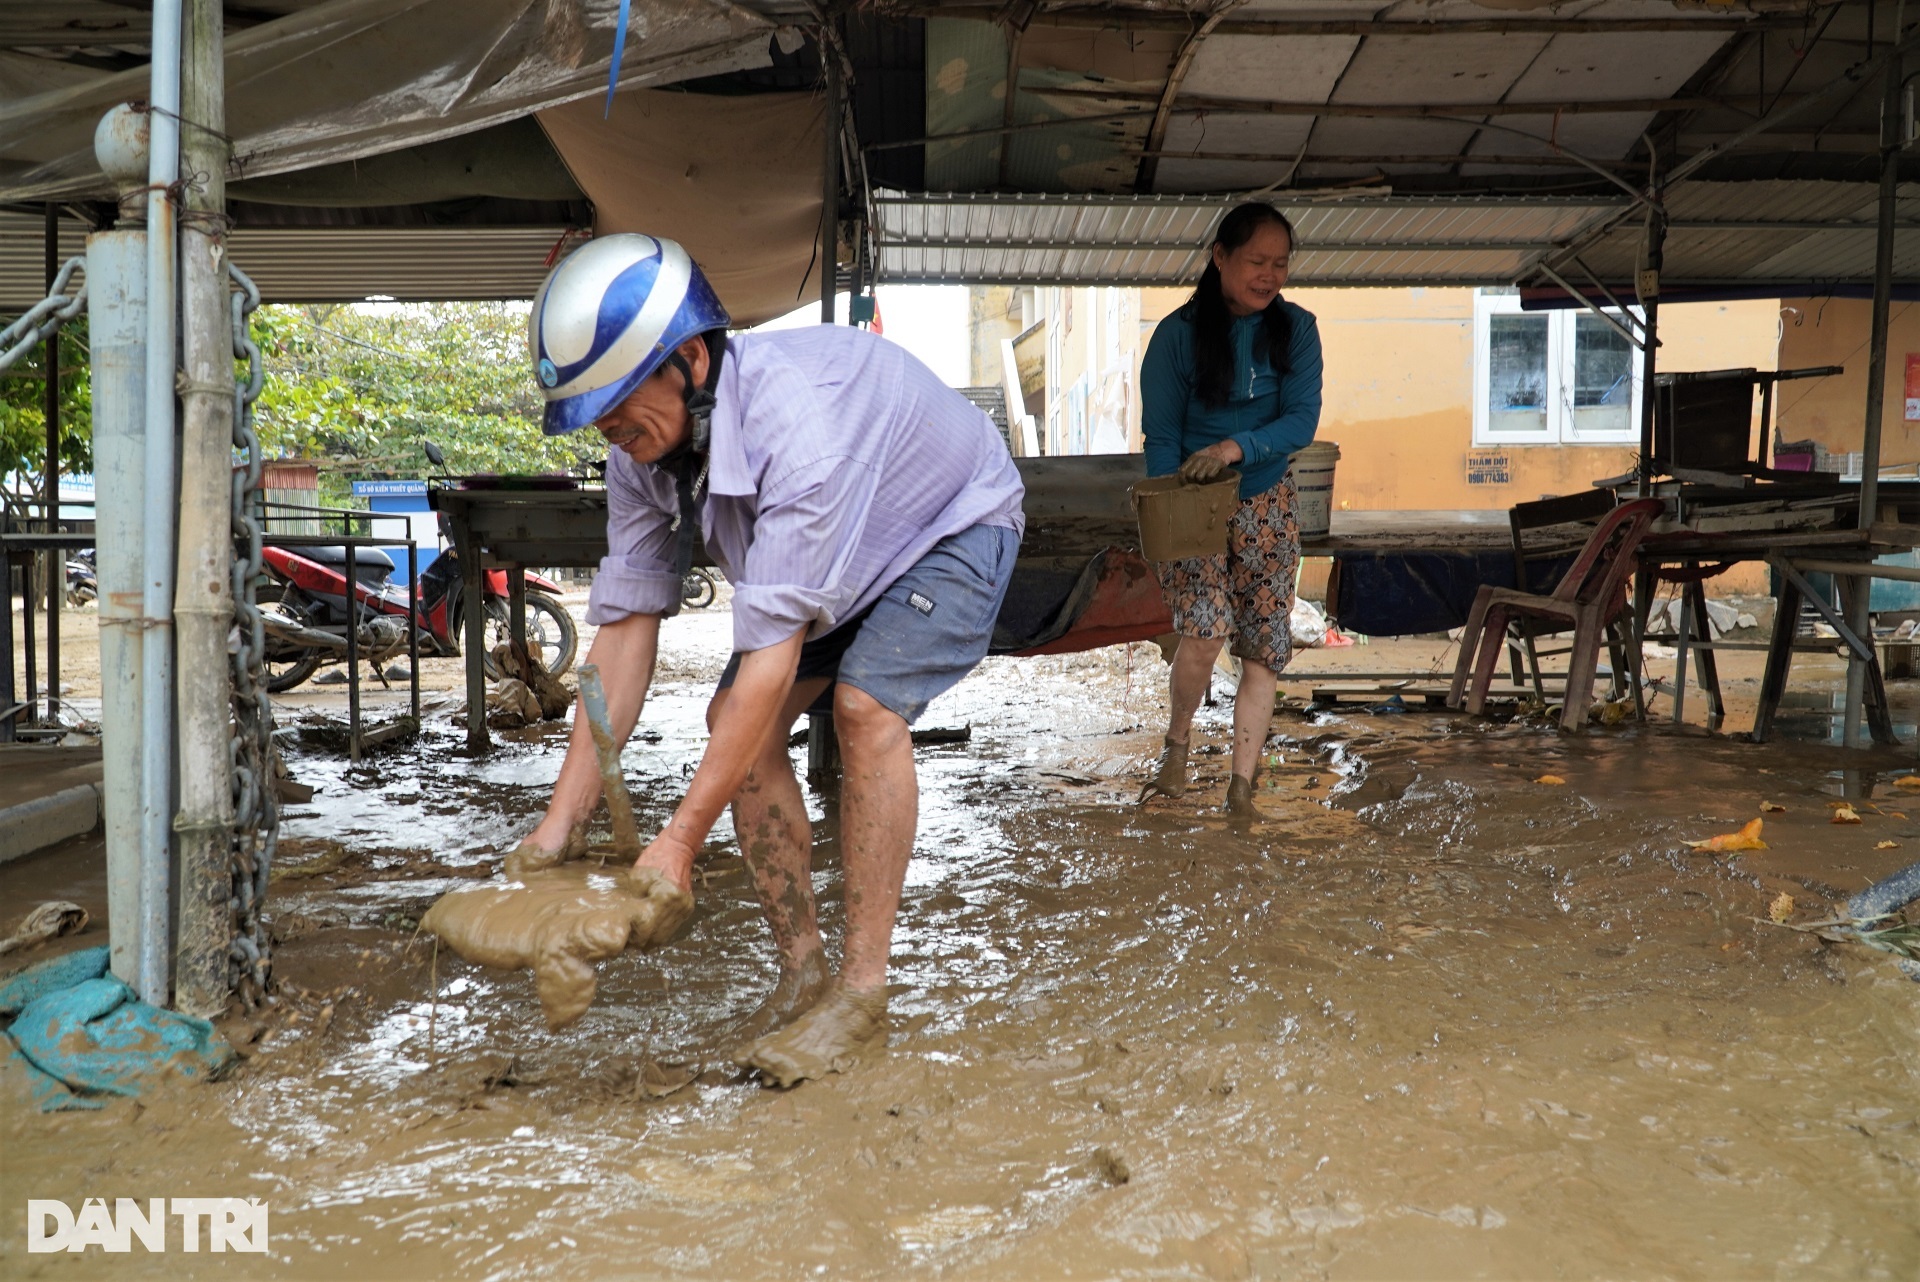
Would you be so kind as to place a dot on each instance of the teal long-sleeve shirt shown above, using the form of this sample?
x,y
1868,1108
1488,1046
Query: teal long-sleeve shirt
x,y
1268,415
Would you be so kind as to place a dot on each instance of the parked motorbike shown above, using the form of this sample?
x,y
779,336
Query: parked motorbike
x,y
307,626
83,579
699,588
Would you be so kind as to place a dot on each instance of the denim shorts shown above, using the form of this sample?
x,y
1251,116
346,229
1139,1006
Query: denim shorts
x,y
930,628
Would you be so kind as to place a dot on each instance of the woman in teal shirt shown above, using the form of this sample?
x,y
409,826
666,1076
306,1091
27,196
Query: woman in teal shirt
x,y
1232,379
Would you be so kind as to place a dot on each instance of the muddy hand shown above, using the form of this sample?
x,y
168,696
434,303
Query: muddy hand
x,y
1202,467
662,908
830,1038
530,856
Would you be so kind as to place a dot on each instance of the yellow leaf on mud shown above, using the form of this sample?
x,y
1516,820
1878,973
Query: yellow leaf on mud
x,y
1554,780
1748,838
1907,781
1772,808
1886,845
1782,907
1845,815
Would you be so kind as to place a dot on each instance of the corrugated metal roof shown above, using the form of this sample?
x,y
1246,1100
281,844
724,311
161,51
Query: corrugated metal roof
x,y
329,264
1783,232
1160,240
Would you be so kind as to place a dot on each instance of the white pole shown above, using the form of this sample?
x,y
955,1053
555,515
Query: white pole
x,y
157,569
117,335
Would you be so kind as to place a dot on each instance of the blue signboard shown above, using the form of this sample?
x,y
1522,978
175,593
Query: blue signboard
x,y
412,518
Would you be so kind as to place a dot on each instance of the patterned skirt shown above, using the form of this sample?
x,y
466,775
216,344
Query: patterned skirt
x,y
1244,594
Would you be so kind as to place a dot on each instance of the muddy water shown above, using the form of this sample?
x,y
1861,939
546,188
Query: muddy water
x,y
1429,1018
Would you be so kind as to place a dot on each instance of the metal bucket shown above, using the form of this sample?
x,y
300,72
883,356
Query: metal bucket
x,y
1312,471
1178,520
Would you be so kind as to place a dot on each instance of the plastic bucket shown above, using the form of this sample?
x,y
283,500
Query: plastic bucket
x,y
1178,520
1312,472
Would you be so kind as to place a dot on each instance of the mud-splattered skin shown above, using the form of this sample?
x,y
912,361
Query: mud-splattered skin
x,y
775,840
1449,1024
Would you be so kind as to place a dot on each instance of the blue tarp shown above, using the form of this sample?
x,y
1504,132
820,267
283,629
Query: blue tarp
x,y
1398,594
82,1036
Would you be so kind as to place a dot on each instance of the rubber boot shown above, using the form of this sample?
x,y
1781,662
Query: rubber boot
x,y
1172,779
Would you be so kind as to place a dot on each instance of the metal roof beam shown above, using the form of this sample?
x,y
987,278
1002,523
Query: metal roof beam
x,y
1165,20
1434,158
1307,246
1219,201
1795,225
1176,75
1415,111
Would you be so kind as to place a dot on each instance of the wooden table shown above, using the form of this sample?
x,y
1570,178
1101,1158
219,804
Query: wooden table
x,y
1792,554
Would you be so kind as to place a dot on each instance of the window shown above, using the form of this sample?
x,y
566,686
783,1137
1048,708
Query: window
x,y
1560,377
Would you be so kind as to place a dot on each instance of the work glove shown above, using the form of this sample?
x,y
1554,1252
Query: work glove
x,y
1201,468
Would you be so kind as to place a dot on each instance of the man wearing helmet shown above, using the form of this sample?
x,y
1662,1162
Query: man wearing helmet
x,y
868,517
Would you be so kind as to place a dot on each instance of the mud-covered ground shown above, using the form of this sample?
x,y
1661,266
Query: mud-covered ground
x,y
1430,1018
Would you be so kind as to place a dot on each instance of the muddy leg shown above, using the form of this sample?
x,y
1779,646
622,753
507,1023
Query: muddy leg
x,y
770,818
879,809
1252,717
1187,685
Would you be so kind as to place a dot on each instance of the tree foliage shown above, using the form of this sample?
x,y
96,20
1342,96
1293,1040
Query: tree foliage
x,y
23,409
358,388
361,388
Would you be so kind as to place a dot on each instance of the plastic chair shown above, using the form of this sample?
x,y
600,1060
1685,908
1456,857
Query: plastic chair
x,y
1523,632
1590,596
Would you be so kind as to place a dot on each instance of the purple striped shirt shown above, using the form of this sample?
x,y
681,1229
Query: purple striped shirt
x,y
838,460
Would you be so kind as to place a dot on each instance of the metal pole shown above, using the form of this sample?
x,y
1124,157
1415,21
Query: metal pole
x,y
117,334
829,179
28,645
353,653
203,595
8,713
1859,616
1648,288
859,269
56,557
413,627
156,604
473,581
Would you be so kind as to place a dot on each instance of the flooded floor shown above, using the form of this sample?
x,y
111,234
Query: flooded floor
x,y
1430,1018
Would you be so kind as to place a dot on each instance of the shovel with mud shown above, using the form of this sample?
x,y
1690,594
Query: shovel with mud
x,y
561,920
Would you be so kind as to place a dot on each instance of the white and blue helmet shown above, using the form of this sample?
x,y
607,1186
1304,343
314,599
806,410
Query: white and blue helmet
x,y
609,315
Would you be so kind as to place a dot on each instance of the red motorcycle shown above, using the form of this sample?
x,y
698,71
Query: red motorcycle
x,y
307,626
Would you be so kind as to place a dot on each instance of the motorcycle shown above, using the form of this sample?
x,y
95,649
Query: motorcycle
x,y
699,588
307,626
83,580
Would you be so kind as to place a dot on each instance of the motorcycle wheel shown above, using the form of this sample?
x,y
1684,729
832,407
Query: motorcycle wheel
x,y
551,634
282,673
698,589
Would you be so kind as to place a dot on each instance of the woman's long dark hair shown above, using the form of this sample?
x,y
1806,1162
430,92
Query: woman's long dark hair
x,y
1213,323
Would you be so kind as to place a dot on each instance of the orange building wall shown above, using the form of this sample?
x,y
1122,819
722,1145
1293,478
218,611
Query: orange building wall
x,y
1399,397
1832,410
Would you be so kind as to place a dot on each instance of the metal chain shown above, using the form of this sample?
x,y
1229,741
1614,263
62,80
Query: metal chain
x,y
44,317
256,817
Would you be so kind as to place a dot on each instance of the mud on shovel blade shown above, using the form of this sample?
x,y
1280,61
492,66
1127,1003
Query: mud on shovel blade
x,y
593,702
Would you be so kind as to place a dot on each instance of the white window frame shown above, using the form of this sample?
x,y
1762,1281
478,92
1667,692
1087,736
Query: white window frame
x,y
1559,429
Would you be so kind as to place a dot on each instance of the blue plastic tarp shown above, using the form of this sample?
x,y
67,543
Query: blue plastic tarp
x,y
1398,594
82,1037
